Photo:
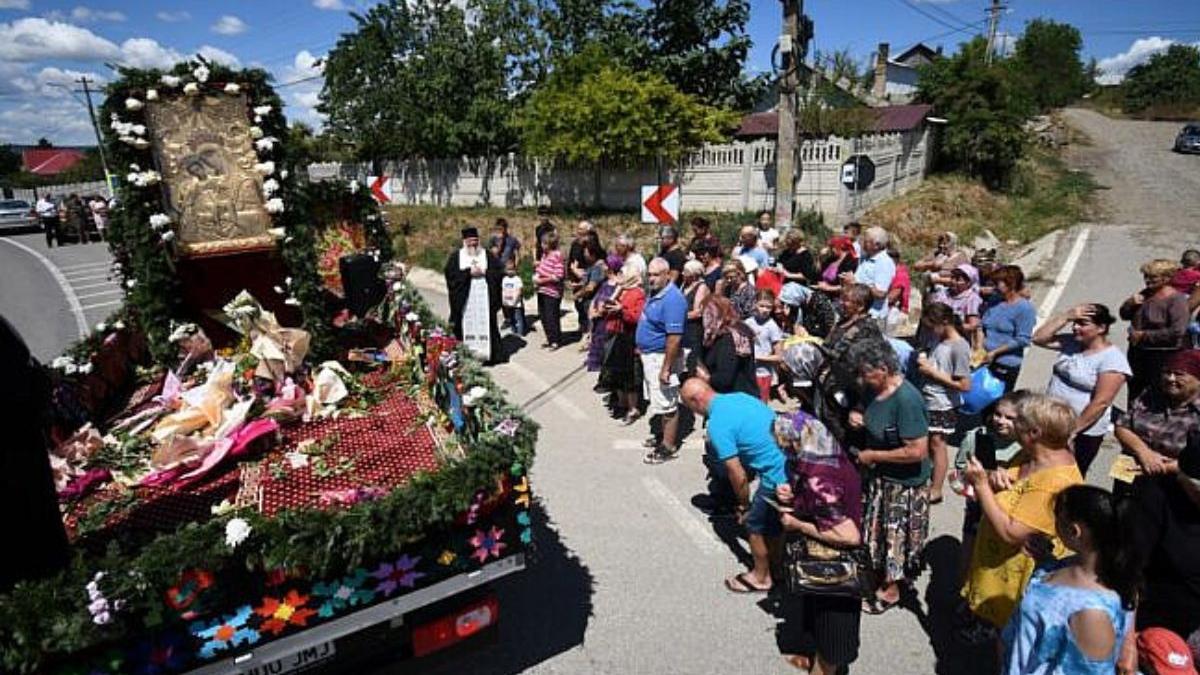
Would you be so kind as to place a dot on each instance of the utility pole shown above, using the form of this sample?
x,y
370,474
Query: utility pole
x,y
83,80
993,27
793,45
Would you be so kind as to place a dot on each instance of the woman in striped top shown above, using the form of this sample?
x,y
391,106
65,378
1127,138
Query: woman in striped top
x,y
548,277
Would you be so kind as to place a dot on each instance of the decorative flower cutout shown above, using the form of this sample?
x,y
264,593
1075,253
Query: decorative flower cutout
x,y
279,614
201,72
133,104
347,592
170,80
522,489
392,576
151,94
191,584
232,88
446,558
221,635
488,544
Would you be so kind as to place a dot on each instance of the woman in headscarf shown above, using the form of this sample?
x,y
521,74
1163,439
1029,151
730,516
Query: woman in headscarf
x,y
727,351
735,285
824,492
811,312
961,294
837,258
936,267
595,354
622,369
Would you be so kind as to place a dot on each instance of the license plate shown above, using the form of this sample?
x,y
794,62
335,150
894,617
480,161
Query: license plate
x,y
296,662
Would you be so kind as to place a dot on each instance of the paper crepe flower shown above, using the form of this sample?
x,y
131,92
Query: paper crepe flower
x,y
526,527
221,635
265,168
133,104
280,614
201,73
236,531
488,544
151,94
270,186
392,576
522,489
446,558
191,584
191,89
263,144
232,88
170,80
256,132
262,110
338,595
275,205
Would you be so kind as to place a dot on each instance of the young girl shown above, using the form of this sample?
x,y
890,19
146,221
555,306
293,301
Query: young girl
x,y
768,342
946,374
1073,616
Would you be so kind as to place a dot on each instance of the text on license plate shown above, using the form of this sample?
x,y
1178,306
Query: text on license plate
x,y
295,662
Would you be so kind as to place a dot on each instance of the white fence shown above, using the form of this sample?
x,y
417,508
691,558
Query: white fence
x,y
732,177
57,191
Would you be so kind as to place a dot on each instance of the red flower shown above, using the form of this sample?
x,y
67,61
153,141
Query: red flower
x,y
191,583
279,614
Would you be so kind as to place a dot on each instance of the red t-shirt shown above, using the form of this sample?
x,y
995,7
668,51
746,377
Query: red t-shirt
x,y
902,281
1185,280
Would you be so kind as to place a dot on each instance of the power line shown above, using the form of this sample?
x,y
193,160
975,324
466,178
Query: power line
x,y
929,15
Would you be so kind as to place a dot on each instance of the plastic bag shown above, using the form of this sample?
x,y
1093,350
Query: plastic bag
x,y
986,389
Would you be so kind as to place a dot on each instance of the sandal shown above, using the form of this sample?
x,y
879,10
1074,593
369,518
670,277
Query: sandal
x,y
740,584
799,661
876,606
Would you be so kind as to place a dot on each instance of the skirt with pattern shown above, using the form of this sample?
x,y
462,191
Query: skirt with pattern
x,y
895,526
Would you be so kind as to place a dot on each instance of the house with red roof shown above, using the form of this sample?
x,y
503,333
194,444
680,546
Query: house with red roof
x,y
50,161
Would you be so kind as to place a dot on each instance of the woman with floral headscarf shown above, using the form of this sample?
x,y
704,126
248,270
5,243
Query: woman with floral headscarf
x,y
727,351
621,370
837,258
606,290
824,493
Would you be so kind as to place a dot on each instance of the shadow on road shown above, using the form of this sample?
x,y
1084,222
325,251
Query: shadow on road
x,y
942,556
544,610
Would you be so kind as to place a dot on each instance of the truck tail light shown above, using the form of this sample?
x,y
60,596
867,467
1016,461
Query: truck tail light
x,y
451,628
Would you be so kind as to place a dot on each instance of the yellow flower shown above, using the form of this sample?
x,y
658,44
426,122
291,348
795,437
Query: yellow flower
x,y
446,557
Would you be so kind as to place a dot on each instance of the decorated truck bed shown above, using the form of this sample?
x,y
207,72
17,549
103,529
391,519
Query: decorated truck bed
x,y
245,494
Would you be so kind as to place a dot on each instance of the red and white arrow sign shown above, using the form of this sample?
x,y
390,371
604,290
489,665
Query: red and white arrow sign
x,y
660,204
381,188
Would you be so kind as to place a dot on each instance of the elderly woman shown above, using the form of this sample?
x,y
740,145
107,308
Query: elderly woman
x,y
1008,326
838,381
1156,428
961,294
1018,513
597,317
794,261
837,259
1159,319
896,466
622,369
944,258
735,285
727,349
695,291
811,313
824,492
1088,373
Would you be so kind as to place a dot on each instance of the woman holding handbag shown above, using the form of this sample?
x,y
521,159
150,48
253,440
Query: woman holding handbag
x,y
821,511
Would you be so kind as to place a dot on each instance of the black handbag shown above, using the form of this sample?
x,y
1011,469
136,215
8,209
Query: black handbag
x,y
814,568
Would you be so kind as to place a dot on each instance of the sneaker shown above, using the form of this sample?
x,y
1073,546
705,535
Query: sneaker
x,y
650,443
601,389
660,455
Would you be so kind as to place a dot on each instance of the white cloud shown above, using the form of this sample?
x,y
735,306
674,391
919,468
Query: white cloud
x,y
65,124
174,17
329,4
33,39
14,4
301,98
1113,68
15,79
54,82
147,53
218,55
83,14
229,25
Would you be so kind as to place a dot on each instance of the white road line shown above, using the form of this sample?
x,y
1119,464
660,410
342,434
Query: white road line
x,y
86,276
83,287
81,323
83,266
102,304
99,293
573,411
1064,275
701,535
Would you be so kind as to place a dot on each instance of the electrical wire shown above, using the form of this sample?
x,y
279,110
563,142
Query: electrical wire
x,y
929,15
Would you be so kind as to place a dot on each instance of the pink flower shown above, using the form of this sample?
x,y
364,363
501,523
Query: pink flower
x,y
488,544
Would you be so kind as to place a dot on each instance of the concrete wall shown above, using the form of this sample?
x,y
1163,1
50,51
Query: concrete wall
x,y
59,191
729,177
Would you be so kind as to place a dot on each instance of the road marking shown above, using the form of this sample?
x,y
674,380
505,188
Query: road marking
x,y
99,293
81,323
84,287
1064,275
102,304
546,391
701,535
82,266
86,276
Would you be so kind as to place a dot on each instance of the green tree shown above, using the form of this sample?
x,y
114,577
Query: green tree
x,y
984,112
592,109
1170,78
424,78
10,160
44,143
1047,65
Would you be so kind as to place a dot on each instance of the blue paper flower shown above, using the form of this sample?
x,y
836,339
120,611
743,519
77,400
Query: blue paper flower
x,y
221,635
347,592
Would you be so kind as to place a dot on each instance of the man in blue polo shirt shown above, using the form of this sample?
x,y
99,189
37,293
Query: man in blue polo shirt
x,y
876,269
741,438
659,336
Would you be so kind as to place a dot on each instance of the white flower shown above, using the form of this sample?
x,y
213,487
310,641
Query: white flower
x,y
181,331
265,168
262,110
85,368
270,186
279,290
256,132
71,369
61,363
133,104
131,283
138,129
134,167
258,119
474,395
274,205
292,301
102,618
151,94
119,325
354,187
412,317
232,88
191,89
397,286
93,590
283,174
141,143
127,139
101,327
159,220
288,281
236,531
277,232
170,80
133,178
201,73
168,236
263,144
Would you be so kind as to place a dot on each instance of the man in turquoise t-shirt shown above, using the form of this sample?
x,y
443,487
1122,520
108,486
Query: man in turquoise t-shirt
x,y
740,432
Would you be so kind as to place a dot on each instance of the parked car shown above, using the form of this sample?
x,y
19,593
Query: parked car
x,y
1188,139
17,214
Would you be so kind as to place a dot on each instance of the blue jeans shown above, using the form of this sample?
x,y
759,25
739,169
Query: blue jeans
x,y
762,518
516,317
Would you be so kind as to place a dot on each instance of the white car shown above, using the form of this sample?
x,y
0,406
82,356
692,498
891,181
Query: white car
x,y
17,214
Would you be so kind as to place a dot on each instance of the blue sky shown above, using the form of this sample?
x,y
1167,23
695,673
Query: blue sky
x,y
45,44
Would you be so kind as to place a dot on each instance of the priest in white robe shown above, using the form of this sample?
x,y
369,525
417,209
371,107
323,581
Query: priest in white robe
x,y
473,283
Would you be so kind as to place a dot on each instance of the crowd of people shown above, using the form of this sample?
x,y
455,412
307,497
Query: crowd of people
x,y
76,218
832,409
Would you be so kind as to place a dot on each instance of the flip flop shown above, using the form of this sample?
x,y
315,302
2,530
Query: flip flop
x,y
739,584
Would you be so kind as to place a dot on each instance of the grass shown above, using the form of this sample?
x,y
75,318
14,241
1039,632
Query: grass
x,y
1045,195
1108,102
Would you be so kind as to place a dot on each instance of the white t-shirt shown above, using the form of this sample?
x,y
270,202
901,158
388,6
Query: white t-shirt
x,y
1073,378
766,335
768,237
510,290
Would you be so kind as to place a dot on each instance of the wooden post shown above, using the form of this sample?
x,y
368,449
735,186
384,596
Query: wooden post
x,y
785,150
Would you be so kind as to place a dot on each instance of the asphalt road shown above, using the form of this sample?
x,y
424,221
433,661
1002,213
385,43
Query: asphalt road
x,y
627,573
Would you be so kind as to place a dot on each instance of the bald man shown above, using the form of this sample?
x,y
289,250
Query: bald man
x,y
741,440
659,340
